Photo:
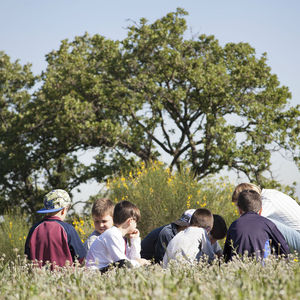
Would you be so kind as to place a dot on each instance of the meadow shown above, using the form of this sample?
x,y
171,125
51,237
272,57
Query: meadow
x,y
162,196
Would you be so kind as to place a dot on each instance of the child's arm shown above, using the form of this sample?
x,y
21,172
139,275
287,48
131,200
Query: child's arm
x,y
207,247
117,248
134,249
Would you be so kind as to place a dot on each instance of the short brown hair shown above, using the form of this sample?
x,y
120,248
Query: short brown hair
x,y
244,186
124,210
219,229
249,200
203,218
102,207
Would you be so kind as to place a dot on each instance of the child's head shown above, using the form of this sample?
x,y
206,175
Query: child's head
x,y
184,221
244,186
56,203
219,229
126,211
249,200
203,218
102,214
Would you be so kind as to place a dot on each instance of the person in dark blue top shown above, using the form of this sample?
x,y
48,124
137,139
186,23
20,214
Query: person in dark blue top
x,y
155,243
253,233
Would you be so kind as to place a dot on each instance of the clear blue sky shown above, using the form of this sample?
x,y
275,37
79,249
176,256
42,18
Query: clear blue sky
x,y
29,29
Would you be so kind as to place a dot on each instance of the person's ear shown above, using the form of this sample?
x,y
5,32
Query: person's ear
x,y
240,211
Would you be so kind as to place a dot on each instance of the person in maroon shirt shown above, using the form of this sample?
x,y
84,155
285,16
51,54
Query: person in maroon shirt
x,y
52,240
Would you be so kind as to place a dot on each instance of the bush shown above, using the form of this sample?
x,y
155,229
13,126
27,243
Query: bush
x,y
162,196
13,232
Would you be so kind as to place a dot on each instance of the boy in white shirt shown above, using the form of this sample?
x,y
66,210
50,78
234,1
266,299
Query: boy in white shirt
x,y
192,243
111,249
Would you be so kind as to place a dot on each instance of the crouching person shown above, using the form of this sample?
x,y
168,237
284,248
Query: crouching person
x,y
111,249
192,243
52,240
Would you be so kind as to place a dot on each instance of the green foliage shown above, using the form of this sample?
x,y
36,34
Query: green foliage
x,y
277,279
162,196
14,228
154,94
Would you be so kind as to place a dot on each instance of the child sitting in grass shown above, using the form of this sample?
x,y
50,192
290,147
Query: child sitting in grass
x,y
102,214
252,233
155,243
193,242
52,240
111,249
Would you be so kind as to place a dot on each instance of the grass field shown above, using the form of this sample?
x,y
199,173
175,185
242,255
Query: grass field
x,y
276,279
162,196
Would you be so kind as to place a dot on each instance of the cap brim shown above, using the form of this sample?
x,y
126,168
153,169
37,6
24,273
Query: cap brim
x,y
45,210
181,223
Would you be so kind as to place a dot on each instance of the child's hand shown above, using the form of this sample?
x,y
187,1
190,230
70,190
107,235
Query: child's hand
x,y
144,262
134,234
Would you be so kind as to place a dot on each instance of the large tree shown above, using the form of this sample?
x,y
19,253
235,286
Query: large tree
x,y
156,95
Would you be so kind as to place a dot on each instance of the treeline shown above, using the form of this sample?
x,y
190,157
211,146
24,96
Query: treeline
x,y
154,94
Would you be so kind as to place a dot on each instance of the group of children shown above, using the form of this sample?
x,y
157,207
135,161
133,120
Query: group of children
x,y
116,240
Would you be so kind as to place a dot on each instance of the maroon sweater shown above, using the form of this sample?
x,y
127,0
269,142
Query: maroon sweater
x,y
53,240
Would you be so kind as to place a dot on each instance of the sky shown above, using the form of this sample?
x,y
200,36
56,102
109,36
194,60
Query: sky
x,y
29,29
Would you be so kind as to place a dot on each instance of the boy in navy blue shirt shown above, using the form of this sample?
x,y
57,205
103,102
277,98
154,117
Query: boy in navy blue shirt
x,y
253,233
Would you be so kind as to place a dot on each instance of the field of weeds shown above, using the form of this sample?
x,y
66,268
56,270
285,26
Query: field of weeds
x,y
275,279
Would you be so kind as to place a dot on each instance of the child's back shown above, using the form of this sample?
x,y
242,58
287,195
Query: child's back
x,y
251,232
52,240
192,243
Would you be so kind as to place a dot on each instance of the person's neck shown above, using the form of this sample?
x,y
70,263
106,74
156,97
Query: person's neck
x,y
123,230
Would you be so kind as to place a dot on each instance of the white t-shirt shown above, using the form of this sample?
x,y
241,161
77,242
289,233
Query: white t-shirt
x,y
189,244
111,247
280,207
91,239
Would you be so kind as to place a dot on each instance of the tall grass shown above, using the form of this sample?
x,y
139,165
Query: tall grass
x,y
14,227
277,279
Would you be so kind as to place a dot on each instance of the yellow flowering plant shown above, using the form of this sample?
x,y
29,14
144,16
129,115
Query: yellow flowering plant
x,y
162,195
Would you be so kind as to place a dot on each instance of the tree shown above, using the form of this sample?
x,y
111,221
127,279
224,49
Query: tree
x,y
153,95
198,102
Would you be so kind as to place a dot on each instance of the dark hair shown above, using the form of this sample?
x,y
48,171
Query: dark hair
x,y
219,229
102,207
203,218
124,210
249,200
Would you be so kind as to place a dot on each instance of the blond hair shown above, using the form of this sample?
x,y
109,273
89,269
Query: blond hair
x,y
102,207
242,187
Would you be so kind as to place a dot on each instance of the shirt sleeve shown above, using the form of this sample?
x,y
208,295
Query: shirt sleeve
x,y
116,247
217,248
161,245
88,243
75,244
134,250
207,248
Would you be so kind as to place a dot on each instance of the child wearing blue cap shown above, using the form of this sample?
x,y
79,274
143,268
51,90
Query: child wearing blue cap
x,y
52,240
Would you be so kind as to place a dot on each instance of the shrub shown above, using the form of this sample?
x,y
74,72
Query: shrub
x,y
162,196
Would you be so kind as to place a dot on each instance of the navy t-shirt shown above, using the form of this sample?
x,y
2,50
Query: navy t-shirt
x,y
255,234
